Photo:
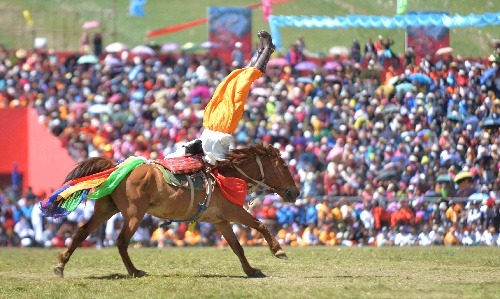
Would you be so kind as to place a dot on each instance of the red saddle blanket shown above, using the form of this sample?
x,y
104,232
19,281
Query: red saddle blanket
x,y
182,165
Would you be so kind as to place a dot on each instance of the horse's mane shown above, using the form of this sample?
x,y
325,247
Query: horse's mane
x,y
241,155
90,166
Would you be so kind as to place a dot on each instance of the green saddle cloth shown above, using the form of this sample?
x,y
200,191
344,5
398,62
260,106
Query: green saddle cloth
x,y
181,180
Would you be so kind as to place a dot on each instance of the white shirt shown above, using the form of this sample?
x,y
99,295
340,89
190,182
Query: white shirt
x,y
367,219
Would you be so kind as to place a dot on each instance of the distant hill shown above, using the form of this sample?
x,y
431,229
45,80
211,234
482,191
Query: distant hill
x,y
60,21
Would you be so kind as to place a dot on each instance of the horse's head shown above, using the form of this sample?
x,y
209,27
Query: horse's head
x,y
264,167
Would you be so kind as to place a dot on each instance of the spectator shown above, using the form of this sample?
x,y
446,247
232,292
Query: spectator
x,y
237,56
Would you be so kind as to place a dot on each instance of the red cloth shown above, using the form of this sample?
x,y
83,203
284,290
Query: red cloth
x,y
234,189
182,165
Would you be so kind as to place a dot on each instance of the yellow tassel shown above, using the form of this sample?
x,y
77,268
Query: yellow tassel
x,y
191,226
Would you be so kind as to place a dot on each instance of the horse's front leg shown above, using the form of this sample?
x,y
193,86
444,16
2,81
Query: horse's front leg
x,y
241,216
227,232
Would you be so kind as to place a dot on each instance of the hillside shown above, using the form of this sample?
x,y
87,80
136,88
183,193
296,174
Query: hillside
x,y
60,21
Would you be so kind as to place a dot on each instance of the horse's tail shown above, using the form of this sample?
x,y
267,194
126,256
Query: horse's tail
x,y
89,167
86,175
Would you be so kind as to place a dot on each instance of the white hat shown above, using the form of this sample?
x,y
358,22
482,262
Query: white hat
x,y
238,45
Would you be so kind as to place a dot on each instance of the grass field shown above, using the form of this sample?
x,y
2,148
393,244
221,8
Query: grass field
x,y
469,41
314,272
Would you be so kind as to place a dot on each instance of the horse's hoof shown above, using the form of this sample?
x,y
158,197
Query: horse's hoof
x,y
257,274
59,271
281,255
139,273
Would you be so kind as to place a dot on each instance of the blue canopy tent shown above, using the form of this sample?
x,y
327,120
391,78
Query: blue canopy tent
x,y
432,19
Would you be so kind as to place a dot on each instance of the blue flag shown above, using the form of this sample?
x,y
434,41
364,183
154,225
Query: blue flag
x,y
136,8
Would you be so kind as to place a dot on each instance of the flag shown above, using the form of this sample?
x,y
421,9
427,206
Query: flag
x,y
15,176
267,9
136,8
27,17
401,7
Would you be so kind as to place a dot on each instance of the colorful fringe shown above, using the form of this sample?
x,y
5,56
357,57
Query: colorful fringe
x,y
67,198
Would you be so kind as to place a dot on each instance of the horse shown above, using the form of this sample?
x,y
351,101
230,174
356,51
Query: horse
x,y
144,190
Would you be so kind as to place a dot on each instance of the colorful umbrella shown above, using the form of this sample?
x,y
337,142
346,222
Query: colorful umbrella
x,y
455,116
404,87
442,178
116,47
332,78
259,91
279,61
306,66
91,24
170,47
444,51
306,80
487,74
189,47
420,78
391,108
87,59
209,45
331,65
335,154
490,123
142,50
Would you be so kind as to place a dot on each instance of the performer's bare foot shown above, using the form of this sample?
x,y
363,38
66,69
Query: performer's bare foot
x,y
266,40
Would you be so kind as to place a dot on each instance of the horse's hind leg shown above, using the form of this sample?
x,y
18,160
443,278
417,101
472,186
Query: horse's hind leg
x,y
227,232
103,210
240,215
130,225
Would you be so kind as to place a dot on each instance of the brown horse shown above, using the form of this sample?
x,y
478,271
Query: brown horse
x,y
144,190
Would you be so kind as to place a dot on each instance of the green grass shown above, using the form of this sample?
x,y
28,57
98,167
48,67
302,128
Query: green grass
x,y
313,272
63,29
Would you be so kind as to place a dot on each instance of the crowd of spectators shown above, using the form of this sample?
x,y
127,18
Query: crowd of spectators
x,y
366,154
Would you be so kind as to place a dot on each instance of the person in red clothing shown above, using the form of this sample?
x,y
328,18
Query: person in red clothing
x,y
381,216
403,215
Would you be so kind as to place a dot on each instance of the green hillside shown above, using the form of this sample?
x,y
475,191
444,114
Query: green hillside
x,y
60,21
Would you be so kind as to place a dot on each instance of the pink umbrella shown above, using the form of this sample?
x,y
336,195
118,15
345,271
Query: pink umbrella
x,y
331,65
91,24
201,91
335,154
332,78
116,98
78,107
259,91
142,50
280,61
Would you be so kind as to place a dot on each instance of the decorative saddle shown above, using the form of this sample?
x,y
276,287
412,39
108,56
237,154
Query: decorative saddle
x,y
183,165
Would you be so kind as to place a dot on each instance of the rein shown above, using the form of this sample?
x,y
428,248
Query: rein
x,y
252,188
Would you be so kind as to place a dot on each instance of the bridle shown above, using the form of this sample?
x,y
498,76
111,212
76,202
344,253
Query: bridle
x,y
253,187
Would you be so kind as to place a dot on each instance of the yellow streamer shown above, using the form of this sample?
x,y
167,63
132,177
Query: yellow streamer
x,y
27,17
